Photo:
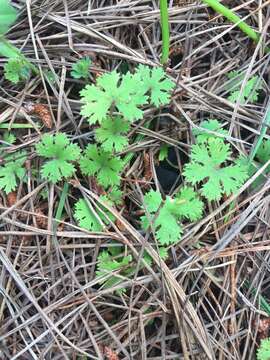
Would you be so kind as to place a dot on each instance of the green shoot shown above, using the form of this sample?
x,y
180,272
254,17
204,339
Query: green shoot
x,y
87,218
250,92
167,227
80,70
8,16
112,134
12,171
102,164
108,265
61,153
125,94
212,125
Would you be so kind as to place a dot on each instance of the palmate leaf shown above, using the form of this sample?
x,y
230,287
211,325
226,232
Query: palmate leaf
x,y
208,164
87,218
125,93
166,224
212,125
62,153
155,81
250,92
107,264
99,163
111,134
12,171
8,16
17,69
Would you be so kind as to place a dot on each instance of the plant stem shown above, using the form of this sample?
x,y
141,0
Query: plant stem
x,y
165,29
230,15
16,126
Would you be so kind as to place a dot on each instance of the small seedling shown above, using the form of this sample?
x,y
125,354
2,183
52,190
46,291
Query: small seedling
x,y
12,171
108,265
112,260
209,164
112,134
80,70
91,219
106,167
173,210
61,153
16,70
250,92
212,125
125,94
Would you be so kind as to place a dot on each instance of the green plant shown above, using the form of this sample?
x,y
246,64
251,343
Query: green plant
x,y
61,153
89,218
125,94
97,162
112,260
165,29
8,139
109,265
165,215
212,125
263,352
250,92
81,68
112,134
163,152
17,69
12,170
209,165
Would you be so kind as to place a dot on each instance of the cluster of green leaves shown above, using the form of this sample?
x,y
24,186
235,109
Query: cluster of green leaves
x,y
250,92
61,154
263,352
80,70
125,94
17,69
90,218
165,216
94,219
211,164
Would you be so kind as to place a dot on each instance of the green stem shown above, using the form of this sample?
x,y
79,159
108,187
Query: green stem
x,y
165,29
230,15
16,126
